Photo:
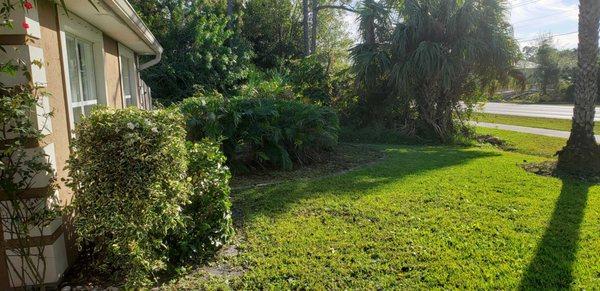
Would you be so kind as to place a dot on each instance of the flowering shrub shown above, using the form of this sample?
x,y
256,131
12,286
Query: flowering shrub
x,y
263,132
208,223
128,171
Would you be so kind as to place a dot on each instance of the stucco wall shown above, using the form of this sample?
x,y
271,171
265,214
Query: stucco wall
x,y
113,73
52,55
49,45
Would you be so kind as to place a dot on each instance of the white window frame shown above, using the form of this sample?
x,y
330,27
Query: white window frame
x,y
77,28
125,52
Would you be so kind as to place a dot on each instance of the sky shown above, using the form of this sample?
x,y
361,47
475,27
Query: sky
x,y
531,19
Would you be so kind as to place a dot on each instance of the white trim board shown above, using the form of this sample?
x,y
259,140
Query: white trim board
x,y
133,74
79,28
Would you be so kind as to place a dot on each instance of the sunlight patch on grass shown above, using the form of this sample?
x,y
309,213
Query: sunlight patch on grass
x,y
426,217
537,122
525,143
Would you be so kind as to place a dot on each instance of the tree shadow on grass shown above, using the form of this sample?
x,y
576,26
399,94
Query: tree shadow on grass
x,y
401,162
552,266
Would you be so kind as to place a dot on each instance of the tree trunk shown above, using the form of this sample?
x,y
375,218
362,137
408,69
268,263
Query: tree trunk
x,y
581,155
230,5
369,33
305,33
315,25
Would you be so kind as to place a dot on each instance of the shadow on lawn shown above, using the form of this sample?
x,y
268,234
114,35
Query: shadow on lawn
x,y
401,162
552,266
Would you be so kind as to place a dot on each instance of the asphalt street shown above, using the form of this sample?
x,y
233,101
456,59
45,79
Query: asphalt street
x,y
533,110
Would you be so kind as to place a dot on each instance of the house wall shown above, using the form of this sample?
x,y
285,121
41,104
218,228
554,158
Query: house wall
x,y
43,42
114,92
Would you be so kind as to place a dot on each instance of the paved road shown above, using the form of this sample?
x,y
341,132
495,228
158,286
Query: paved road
x,y
538,131
533,110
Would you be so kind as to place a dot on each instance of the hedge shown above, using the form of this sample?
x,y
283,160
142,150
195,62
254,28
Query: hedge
x,y
207,219
258,133
141,199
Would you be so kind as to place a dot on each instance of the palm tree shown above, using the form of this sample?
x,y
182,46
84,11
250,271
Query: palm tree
x,y
438,55
581,155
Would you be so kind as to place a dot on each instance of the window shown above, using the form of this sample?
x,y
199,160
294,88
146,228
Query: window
x,y
82,79
128,76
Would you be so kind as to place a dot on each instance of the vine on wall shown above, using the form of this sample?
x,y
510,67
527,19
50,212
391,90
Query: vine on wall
x,y
22,162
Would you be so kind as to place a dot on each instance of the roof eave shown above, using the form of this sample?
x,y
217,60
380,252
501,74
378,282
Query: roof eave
x,y
125,11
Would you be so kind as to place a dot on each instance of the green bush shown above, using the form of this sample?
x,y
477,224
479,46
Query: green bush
x,y
128,171
310,79
272,84
208,223
263,132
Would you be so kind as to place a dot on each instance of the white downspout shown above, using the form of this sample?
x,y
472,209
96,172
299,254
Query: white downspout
x,y
152,62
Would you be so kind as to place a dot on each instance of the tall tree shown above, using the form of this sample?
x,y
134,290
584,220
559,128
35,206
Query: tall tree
x,y
230,6
274,27
548,71
438,56
200,52
305,28
581,155
316,8
315,25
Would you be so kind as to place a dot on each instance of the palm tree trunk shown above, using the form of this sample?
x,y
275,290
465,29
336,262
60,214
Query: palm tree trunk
x,y
369,33
305,36
581,156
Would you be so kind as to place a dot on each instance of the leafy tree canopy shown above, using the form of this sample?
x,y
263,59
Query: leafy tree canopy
x,y
274,28
200,51
422,61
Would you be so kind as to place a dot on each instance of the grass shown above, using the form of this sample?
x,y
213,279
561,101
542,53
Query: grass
x,y
426,217
525,143
538,122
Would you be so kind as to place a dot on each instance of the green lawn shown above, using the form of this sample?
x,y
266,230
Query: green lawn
x,y
426,217
547,123
525,143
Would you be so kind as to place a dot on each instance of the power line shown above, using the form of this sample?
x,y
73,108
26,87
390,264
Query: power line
x,y
545,16
553,35
525,3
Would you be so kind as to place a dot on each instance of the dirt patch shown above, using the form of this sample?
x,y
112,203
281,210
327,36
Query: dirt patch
x,y
345,158
549,169
495,141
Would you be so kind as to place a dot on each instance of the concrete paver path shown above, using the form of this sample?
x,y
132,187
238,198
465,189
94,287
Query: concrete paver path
x,y
532,130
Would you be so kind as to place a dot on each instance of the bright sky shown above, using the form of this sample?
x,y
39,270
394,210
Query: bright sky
x,y
530,19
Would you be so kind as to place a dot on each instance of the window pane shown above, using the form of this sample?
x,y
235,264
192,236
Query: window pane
x,y
73,69
126,78
80,58
127,71
88,81
77,114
